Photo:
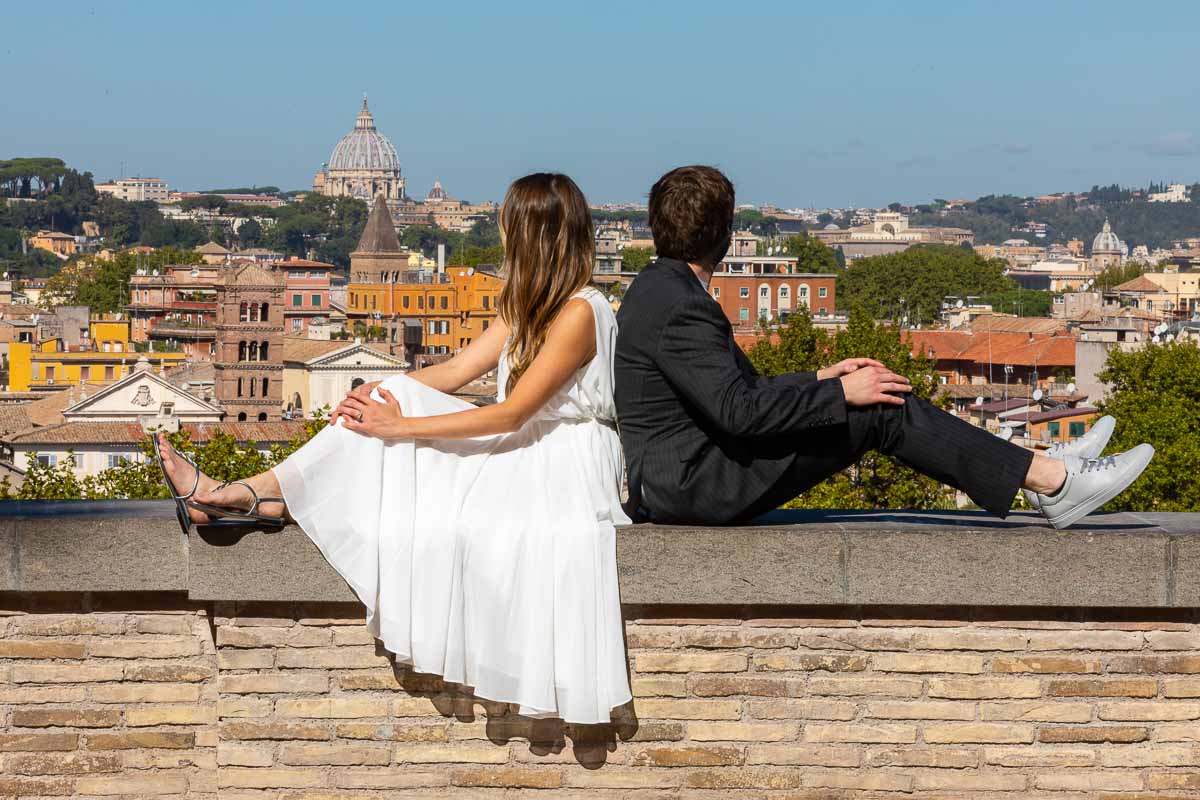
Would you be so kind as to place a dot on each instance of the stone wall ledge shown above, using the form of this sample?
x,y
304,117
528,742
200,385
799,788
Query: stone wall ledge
x,y
793,558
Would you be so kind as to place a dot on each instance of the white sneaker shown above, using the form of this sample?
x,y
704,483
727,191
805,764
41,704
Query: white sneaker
x,y
1090,445
1091,483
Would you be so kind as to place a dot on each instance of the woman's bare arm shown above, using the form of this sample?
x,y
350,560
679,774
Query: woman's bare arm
x,y
570,344
478,358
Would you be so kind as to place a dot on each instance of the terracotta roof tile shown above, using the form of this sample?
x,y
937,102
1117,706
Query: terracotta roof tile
x,y
131,433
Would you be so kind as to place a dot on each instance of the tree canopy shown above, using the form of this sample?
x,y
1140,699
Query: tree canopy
x,y
1155,398
103,285
914,283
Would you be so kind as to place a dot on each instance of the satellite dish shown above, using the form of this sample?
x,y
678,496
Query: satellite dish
x,y
959,304
1071,388
979,400
1037,395
1005,433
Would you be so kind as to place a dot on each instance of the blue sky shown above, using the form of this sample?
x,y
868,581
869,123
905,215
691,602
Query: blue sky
x,y
803,104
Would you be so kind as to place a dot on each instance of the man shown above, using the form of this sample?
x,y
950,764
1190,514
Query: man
x,y
708,440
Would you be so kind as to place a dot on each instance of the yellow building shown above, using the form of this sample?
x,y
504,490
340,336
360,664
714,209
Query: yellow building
x,y
61,244
109,357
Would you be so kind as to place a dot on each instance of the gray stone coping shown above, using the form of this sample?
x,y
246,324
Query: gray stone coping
x,y
793,558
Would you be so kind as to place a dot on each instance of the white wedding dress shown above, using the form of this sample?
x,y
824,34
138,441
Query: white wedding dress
x,y
488,561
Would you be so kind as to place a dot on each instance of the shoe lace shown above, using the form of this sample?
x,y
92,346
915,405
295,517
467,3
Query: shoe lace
x,y
1097,464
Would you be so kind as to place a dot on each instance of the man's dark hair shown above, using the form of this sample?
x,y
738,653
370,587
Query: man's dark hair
x,y
691,215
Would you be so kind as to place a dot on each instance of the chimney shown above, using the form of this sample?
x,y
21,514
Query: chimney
x,y
441,258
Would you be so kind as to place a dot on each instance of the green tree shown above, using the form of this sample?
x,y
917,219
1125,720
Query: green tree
x,y
1023,302
250,233
1155,398
877,481
813,255
914,283
635,259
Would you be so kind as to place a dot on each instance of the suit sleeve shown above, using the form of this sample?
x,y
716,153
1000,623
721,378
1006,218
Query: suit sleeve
x,y
762,381
696,356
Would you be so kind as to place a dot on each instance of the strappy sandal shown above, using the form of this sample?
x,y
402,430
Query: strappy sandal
x,y
181,512
232,516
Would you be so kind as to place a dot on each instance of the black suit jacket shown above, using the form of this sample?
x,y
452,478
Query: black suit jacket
x,y
694,414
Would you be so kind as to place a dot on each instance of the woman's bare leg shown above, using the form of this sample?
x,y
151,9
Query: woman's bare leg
x,y
182,475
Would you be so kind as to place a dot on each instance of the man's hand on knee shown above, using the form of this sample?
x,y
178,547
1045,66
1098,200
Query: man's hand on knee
x,y
846,367
866,386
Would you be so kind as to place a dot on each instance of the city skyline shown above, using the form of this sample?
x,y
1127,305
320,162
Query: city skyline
x,y
837,108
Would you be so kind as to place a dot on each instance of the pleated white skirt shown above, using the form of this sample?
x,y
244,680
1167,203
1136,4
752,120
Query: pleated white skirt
x,y
488,561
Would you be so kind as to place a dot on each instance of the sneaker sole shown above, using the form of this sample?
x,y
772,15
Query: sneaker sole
x,y
1095,501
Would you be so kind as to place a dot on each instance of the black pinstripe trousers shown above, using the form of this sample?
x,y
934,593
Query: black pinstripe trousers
x,y
918,434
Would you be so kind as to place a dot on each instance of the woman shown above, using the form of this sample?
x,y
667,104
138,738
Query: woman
x,y
480,540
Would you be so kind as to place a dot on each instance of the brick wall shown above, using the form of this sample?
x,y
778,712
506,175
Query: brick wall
x,y
131,696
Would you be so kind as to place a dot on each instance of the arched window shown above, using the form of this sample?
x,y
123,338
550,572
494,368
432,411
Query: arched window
x,y
264,387
445,302
242,417
252,385
241,351
262,417
264,315
262,351
239,394
252,351
243,313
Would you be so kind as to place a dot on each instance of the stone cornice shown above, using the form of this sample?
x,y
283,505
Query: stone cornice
x,y
829,558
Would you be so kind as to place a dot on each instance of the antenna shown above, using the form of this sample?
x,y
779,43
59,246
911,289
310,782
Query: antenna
x,y
1071,388
1037,395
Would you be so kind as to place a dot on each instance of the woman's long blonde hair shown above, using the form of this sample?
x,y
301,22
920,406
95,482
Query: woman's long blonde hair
x,y
549,247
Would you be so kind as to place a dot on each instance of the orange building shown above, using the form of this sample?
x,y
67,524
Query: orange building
x,y
429,312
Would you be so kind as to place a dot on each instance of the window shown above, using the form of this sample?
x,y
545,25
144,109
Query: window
x,y
1075,429
262,417
296,324
421,301
404,301
49,374
108,373
743,314
372,301
242,417
115,461
239,391
764,291
1053,428
744,292
717,292
823,292
253,383
783,292
316,300
48,460
803,293
487,301
262,351
445,302
485,324
433,326
297,300
264,315
265,382
85,373
354,300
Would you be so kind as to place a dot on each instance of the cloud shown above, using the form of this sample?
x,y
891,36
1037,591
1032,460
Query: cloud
x,y
1017,148
1176,143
